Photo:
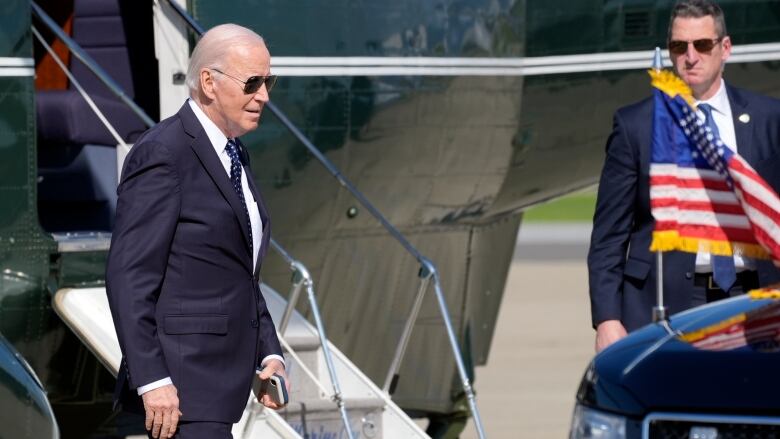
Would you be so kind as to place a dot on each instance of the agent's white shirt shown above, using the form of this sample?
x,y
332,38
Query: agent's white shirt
x,y
721,114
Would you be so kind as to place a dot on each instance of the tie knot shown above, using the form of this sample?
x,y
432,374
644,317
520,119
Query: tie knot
x,y
707,110
232,150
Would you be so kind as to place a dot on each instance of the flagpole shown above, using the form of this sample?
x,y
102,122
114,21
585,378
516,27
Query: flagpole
x,y
659,311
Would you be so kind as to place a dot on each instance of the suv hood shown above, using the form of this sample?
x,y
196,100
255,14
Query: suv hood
x,y
721,357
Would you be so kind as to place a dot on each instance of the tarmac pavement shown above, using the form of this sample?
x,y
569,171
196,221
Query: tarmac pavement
x,y
543,340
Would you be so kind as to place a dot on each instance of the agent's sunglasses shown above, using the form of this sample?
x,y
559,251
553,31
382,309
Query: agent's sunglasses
x,y
253,83
704,45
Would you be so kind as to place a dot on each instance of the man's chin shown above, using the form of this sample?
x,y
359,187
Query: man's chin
x,y
693,80
250,125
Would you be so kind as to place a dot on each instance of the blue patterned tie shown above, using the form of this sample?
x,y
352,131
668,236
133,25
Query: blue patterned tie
x,y
723,271
235,178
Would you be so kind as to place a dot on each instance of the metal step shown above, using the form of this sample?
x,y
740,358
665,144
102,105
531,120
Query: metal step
x,y
371,412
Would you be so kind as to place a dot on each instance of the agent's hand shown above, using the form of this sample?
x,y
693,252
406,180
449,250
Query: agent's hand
x,y
608,332
162,411
272,367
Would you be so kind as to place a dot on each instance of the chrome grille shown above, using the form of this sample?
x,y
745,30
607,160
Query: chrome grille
x,y
693,426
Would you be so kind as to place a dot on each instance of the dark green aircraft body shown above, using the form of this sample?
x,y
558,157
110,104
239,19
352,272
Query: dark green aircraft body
x,y
450,159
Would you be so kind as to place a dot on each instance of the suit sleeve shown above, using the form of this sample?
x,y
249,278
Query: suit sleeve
x,y
146,218
269,342
612,224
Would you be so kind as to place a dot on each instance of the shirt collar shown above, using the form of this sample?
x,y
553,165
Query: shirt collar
x,y
720,100
215,135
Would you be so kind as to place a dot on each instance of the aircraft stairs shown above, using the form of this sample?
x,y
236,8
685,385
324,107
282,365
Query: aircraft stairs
x,y
312,411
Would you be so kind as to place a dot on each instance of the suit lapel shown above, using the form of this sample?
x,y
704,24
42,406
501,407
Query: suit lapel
x,y
743,131
208,158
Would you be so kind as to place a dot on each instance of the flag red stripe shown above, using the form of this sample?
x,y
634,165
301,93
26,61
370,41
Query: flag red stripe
x,y
762,236
712,233
733,209
757,204
767,241
743,168
688,183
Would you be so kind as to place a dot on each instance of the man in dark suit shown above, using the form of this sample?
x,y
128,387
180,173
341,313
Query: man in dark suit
x,y
620,265
191,232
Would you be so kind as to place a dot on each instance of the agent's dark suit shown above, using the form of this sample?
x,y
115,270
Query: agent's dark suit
x,y
622,270
183,292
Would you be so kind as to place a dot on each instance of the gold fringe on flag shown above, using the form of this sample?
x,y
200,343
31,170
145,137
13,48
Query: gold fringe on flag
x,y
669,240
694,336
671,84
764,293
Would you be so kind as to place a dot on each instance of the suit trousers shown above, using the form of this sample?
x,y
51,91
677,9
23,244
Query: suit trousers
x,y
202,430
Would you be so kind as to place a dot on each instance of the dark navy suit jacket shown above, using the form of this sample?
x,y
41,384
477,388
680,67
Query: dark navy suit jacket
x,y
184,295
621,269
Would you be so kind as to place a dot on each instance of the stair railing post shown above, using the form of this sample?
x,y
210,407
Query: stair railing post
x,y
302,278
337,397
392,374
299,278
300,275
464,378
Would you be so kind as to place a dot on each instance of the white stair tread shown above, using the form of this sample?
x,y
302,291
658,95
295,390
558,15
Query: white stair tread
x,y
321,405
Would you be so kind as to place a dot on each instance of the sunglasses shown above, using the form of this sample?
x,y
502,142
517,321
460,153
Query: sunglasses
x,y
253,83
704,45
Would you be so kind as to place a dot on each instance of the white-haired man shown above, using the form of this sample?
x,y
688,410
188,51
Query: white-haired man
x,y
190,236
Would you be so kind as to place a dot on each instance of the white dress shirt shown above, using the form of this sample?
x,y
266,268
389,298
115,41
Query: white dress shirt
x,y
721,115
219,142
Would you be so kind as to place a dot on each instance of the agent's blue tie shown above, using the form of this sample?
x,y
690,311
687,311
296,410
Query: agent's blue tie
x,y
723,271
235,177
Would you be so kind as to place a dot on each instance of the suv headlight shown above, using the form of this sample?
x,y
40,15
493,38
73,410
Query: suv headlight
x,y
588,423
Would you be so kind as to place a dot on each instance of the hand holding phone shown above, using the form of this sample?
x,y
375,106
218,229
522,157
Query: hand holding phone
x,y
276,388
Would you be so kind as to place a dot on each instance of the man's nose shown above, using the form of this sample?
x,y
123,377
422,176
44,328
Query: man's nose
x,y
691,55
262,94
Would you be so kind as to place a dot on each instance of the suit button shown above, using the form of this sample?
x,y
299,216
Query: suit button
x,y
688,275
254,324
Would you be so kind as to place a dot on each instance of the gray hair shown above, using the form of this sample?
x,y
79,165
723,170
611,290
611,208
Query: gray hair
x,y
212,48
699,9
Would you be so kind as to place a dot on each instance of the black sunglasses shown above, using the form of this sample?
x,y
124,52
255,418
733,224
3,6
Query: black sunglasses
x,y
253,83
704,45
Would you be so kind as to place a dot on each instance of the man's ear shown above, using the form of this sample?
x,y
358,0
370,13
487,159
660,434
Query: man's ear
x,y
726,47
207,83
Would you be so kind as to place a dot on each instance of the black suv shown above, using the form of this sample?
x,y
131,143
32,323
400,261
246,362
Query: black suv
x,y
712,372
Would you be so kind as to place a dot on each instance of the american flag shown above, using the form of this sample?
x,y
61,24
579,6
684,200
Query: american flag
x,y
759,329
704,196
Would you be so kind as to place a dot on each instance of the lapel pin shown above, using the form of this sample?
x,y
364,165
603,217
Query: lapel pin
x,y
744,118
